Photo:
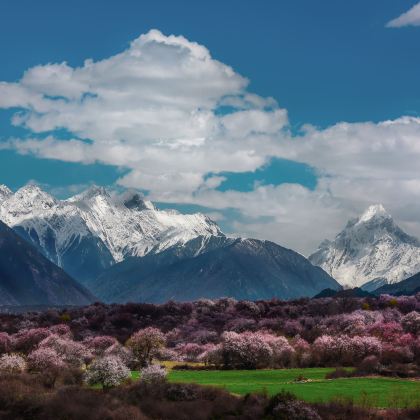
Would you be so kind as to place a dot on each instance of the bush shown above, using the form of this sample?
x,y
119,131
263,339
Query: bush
x,y
182,392
12,363
285,406
108,371
153,374
369,365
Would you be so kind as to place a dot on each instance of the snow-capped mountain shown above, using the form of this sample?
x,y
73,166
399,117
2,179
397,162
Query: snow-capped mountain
x,y
371,251
130,226
91,231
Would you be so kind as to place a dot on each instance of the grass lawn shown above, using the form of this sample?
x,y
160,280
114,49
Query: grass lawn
x,y
374,391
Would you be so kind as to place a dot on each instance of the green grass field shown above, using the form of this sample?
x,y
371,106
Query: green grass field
x,y
374,391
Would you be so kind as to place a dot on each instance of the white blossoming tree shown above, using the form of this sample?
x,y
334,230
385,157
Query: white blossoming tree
x,y
12,363
108,371
153,374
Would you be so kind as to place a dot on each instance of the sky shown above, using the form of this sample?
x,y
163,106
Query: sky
x,y
281,120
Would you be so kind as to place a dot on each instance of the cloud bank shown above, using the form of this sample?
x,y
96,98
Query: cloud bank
x,y
176,118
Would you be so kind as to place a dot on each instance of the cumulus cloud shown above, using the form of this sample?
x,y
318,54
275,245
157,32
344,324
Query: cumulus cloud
x,y
155,110
409,18
357,164
152,108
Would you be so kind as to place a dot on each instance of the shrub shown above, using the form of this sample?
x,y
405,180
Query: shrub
x,y
182,392
295,410
368,365
285,406
12,363
108,371
153,374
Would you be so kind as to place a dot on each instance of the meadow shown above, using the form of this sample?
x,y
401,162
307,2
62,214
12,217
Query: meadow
x,y
365,391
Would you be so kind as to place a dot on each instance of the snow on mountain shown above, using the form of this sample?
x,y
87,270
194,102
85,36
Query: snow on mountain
x,y
4,192
130,226
51,224
97,227
370,251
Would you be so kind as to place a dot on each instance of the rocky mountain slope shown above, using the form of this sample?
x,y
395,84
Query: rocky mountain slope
x,y
239,268
28,278
370,251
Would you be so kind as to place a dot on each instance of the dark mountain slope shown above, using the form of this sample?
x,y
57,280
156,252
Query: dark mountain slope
x,y
238,268
28,278
409,286
357,292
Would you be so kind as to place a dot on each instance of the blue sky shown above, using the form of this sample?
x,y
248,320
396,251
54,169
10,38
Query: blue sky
x,y
324,62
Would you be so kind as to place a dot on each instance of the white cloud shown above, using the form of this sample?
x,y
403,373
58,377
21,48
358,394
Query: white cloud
x,y
358,164
154,109
409,18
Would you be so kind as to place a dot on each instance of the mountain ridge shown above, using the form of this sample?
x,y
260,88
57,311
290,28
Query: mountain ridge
x,y
91,231
150,254
241,268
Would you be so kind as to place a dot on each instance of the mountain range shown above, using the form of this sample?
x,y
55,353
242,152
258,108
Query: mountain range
x,y
371,251
123,248
91,231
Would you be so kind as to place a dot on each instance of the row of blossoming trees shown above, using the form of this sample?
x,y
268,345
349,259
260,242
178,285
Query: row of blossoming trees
x,y
107,341
50,351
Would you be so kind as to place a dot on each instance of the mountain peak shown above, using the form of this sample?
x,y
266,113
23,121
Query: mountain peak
x,y
30,188
92,192
371,250
374,211
31,196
